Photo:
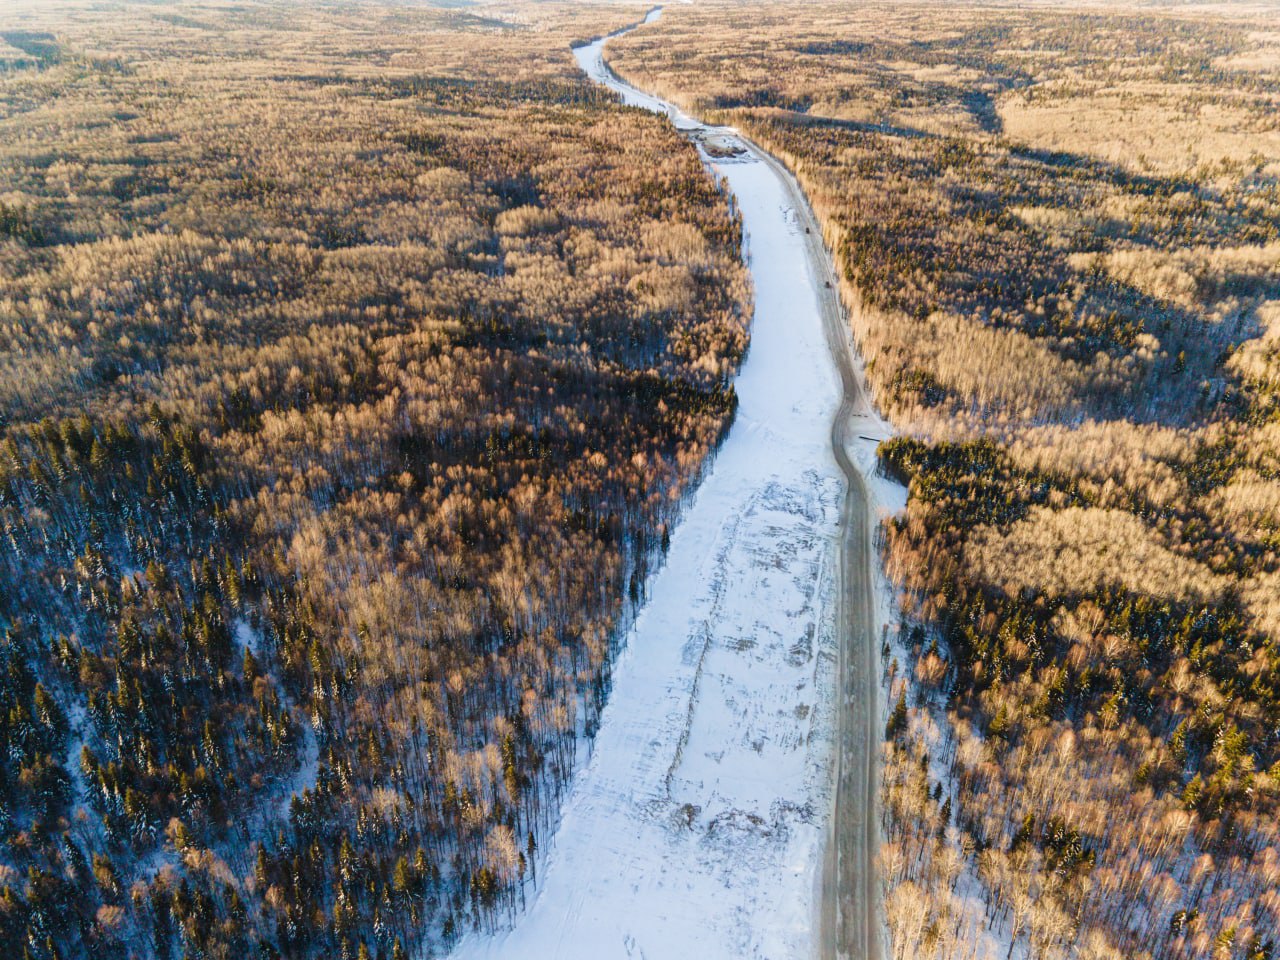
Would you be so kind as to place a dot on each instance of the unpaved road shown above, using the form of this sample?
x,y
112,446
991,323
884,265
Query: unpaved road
x,y
850,919
850,909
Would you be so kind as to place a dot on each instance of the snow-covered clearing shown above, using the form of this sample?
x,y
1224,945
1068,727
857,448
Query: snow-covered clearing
x,y
696,828
293,784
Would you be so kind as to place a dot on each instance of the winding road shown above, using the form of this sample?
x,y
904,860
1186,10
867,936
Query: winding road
x,y
849,916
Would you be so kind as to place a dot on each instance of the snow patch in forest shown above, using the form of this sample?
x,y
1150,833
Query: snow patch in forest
x,y
289,784
696,828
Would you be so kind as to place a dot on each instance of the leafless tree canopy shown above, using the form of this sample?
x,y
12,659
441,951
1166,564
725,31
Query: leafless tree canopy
x,y
354,361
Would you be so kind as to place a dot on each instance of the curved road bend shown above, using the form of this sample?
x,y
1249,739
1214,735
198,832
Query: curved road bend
x,y
850,924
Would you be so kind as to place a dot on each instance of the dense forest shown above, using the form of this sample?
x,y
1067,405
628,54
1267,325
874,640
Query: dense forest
x,y
1059,234
354,363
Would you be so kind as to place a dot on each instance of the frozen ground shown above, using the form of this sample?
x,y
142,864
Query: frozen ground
x,y
696,829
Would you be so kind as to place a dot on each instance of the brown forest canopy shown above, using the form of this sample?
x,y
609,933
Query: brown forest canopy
x,y
353,362
1059,230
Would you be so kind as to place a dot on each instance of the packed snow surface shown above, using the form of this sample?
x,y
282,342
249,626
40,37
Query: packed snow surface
x,y
695,829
